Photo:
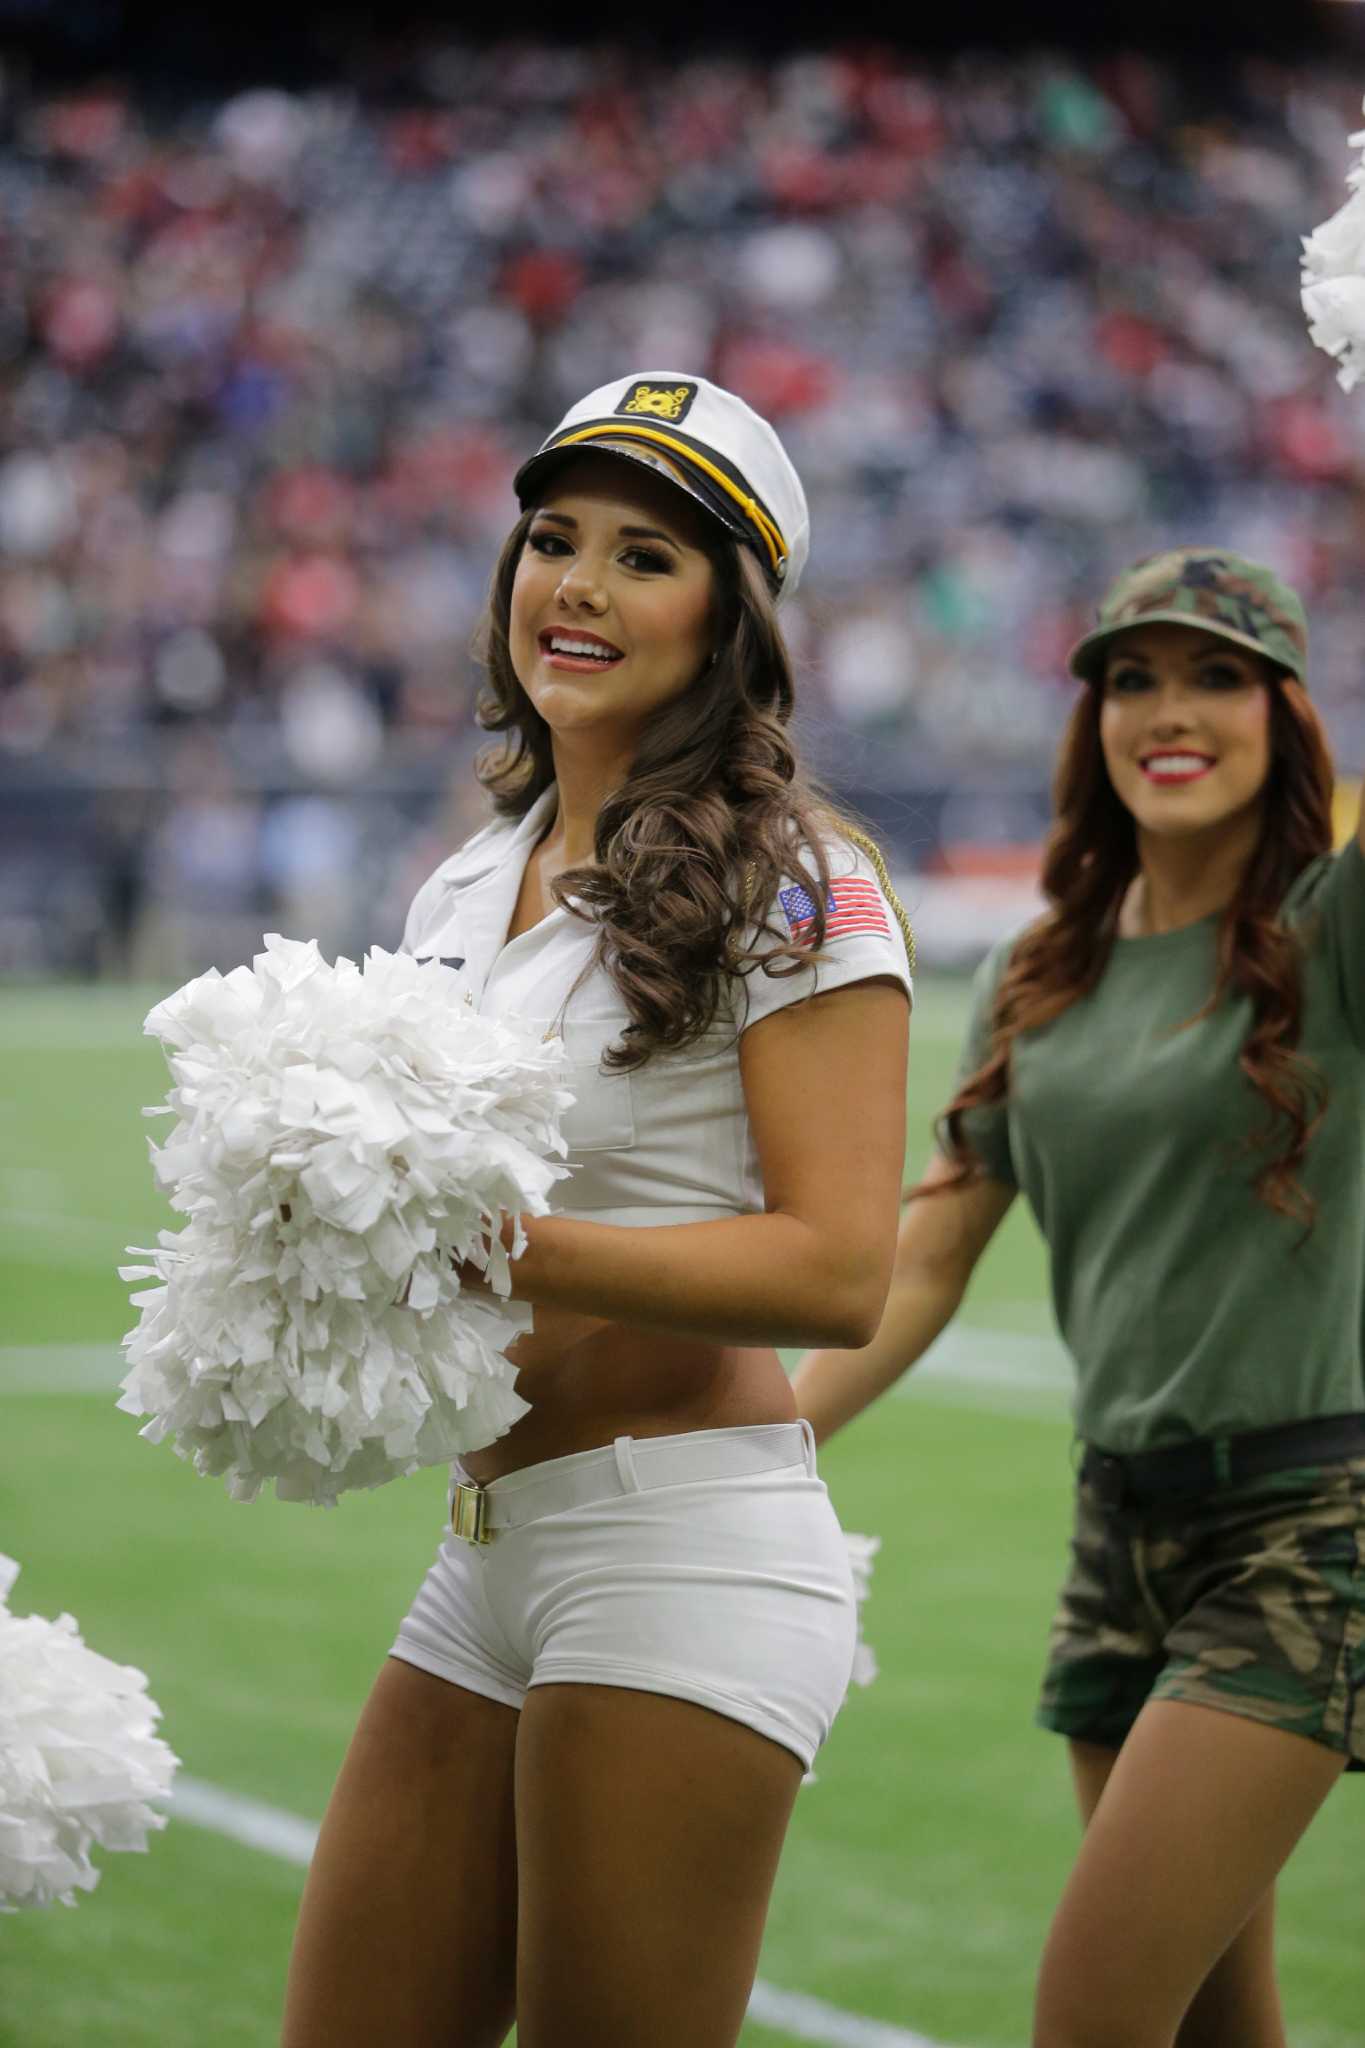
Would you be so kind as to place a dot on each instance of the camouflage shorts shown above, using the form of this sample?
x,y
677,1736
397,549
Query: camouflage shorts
x,y
1251,1600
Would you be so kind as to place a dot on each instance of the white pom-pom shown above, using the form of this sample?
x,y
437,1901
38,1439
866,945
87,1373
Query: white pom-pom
x,y
861,1551
343,1138
78,1759
1334,280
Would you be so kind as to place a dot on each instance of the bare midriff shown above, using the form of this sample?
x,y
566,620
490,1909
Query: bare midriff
x,y
590,1381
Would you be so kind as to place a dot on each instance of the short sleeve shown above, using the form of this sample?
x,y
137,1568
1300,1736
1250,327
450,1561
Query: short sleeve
x,y
863,937
1326,906
987,1130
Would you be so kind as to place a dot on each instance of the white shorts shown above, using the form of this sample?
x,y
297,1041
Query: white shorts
x,y
708,1566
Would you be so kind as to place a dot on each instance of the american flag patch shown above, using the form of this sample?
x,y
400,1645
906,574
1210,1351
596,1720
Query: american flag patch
x,y
851,906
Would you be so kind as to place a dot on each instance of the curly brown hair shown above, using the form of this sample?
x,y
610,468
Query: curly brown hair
x,y
1088,863
715,812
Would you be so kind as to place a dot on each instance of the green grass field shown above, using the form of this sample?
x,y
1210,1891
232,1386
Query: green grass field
x,y
922,1868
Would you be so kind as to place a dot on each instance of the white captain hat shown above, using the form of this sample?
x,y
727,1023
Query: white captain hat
x,y
707,442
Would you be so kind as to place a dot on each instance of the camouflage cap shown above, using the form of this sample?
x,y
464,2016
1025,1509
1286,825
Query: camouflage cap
x,y
1208,587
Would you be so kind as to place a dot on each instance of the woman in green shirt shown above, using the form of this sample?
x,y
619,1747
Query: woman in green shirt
x,y
1168,1064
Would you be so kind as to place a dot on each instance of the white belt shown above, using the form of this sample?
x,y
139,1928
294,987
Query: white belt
x,y
630,1465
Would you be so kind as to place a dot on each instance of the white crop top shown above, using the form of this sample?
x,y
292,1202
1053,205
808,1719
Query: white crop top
x,y
669,1142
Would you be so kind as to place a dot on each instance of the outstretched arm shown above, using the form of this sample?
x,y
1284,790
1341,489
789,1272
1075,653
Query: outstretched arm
x,y
941,1238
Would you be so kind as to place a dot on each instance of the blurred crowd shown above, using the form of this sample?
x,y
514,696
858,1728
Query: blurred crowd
x,y
267,364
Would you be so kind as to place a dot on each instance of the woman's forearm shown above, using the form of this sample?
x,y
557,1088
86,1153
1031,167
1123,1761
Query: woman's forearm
x,y
944,1231
744,1280
831,1387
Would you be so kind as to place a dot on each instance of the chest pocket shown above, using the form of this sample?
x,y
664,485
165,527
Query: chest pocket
x,y
602,1118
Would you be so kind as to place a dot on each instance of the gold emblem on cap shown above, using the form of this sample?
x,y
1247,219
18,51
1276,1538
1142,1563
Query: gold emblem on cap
x,y
660,402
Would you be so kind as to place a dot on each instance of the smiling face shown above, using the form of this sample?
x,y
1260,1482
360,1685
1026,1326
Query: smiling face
x,y
612,609
1185,728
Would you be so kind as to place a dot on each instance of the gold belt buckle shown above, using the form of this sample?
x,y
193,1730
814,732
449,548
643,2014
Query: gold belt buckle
x,y
469,1515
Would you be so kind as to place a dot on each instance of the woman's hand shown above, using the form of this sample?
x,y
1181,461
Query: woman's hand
x,y
473,1275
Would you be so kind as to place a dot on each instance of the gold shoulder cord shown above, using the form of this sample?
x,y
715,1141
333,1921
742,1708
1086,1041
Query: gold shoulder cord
x,y
874,854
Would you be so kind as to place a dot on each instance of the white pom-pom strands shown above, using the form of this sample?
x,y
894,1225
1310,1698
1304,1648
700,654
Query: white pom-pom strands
x,y
343,1140
861,1552
1334,279
79,1762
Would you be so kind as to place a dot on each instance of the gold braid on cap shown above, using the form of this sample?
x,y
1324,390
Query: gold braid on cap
x,y
763,523
874,854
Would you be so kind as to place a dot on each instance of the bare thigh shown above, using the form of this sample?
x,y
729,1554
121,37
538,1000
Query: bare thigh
x,y
649,1832
407,1930
1238,2003
1187,1831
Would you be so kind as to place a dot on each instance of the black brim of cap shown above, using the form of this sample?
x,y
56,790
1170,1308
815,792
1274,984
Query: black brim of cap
x,y
531,479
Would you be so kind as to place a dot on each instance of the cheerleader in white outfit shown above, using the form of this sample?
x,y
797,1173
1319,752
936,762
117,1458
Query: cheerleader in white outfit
x,y
567,1795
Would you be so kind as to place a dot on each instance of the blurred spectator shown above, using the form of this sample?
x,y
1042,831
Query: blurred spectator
x,y
204,872
310,847
266,367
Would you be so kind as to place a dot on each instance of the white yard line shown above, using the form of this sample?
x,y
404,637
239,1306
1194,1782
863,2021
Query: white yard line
x,y
292,1840
810,2019
992,1369
63,1240
60,1369
80,1020
248,1821
1002,1371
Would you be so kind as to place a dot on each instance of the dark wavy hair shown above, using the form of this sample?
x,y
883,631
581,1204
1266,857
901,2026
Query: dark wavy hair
x,y
1089,861
715,811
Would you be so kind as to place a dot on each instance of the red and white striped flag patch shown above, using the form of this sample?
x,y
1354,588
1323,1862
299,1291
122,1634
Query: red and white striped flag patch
x,y
852,905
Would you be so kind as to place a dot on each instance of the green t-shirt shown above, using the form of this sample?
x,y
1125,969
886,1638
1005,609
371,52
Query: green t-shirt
x,y
1189,1307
